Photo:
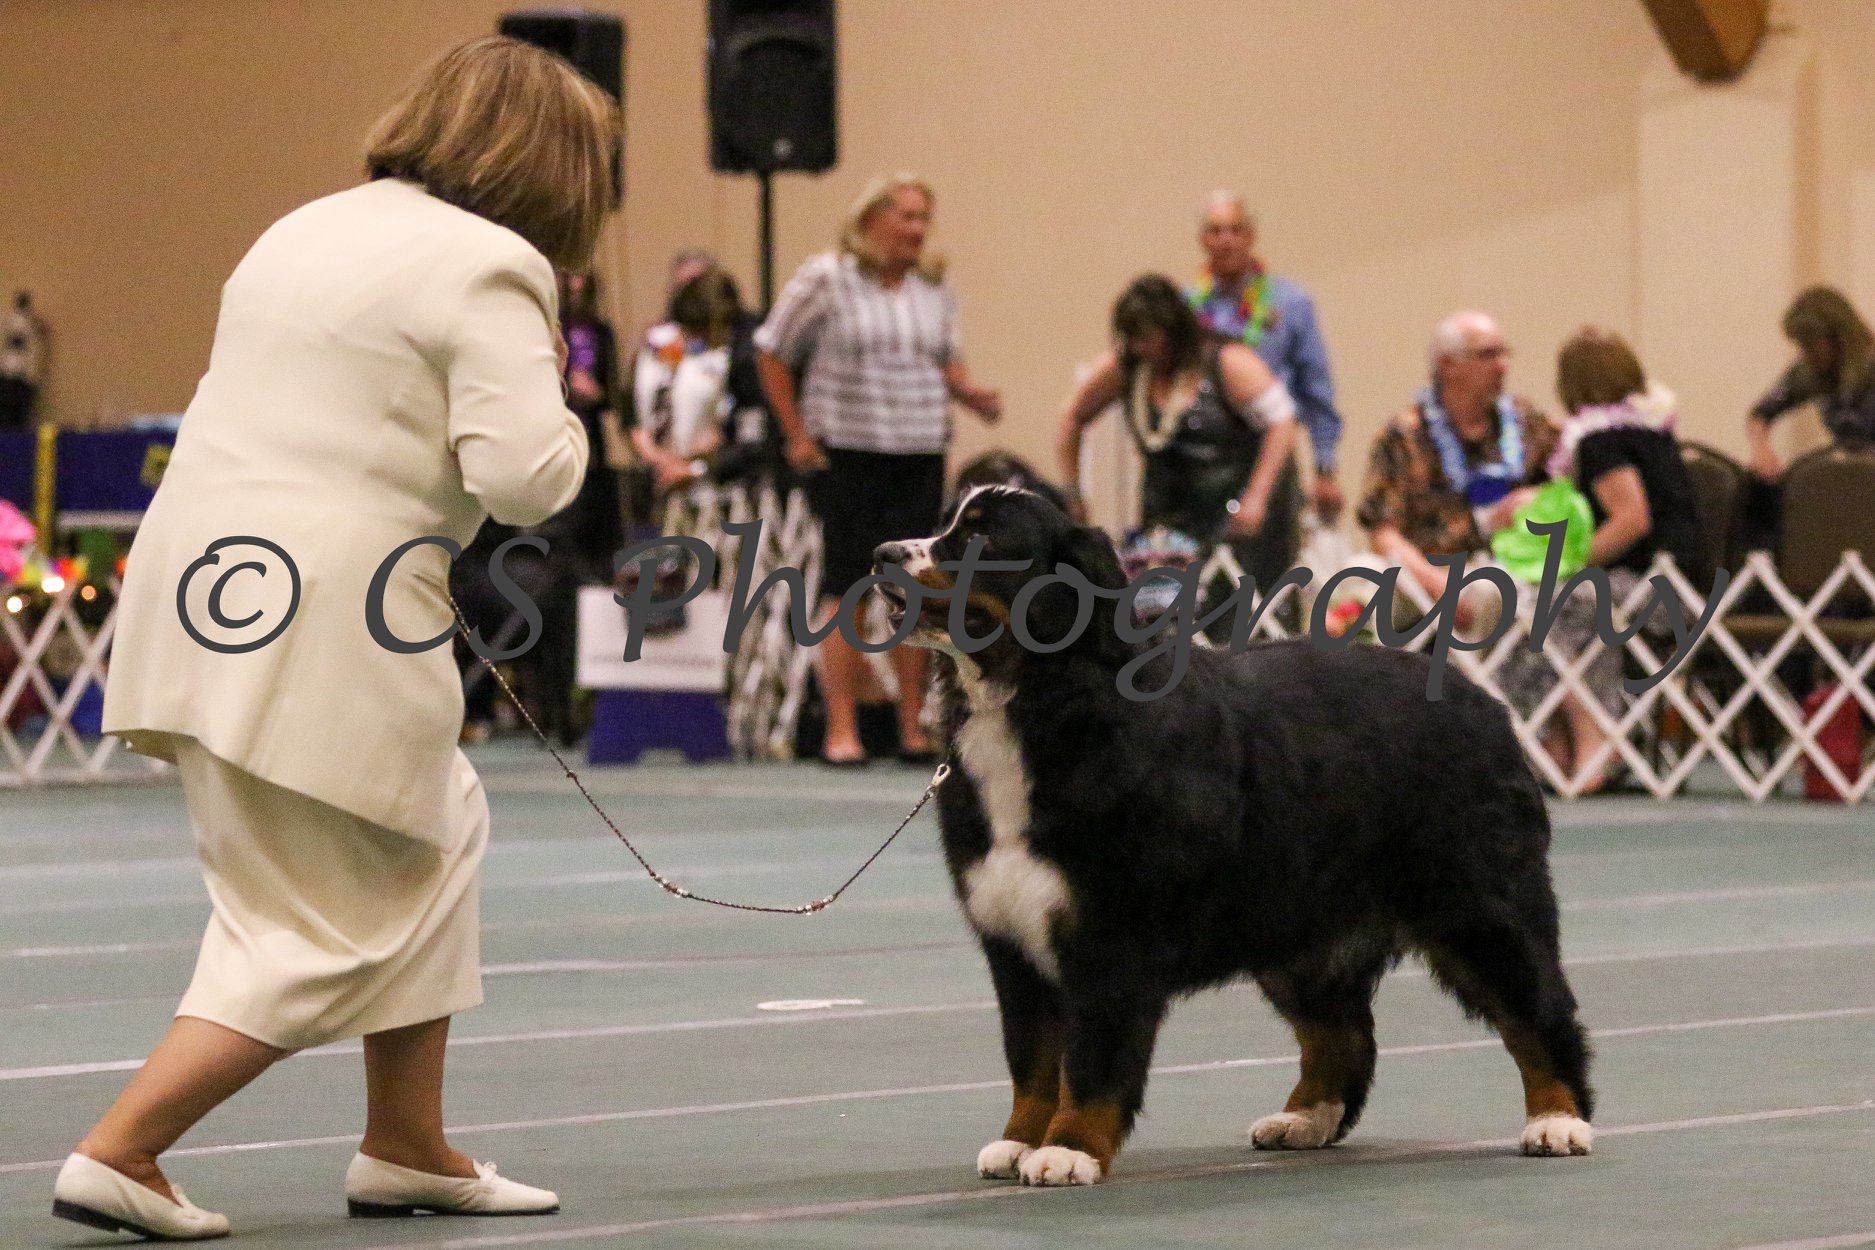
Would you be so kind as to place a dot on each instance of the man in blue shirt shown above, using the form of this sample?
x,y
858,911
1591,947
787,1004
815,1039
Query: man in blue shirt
x,y
1238,299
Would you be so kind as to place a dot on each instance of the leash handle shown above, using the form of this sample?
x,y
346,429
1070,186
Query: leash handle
x,y
670,887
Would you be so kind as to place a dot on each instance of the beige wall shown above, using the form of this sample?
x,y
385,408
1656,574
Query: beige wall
x,y
145,143
1405,158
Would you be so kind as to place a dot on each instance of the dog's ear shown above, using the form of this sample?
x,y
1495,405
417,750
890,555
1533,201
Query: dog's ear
x,y
1088,549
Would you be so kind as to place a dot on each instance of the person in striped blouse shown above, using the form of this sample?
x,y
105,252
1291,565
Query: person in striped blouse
x,y
860,360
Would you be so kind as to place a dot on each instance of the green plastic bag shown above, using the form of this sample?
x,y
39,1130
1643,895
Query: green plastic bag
x,y
1522,553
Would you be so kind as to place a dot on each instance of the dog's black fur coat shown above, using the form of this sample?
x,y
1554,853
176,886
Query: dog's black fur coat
x,y
1289,814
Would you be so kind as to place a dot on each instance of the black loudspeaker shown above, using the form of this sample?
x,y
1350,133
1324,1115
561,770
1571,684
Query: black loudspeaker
x,y
595,44
773,86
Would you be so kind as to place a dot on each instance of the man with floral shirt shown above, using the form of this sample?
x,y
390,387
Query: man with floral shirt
x,y
1449,471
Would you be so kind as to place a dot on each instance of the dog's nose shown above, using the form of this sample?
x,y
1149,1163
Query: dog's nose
x,y
890,553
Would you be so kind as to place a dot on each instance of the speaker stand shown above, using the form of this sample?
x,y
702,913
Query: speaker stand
x,y
767,180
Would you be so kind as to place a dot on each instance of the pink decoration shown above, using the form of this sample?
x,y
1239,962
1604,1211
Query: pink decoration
x,y
16,534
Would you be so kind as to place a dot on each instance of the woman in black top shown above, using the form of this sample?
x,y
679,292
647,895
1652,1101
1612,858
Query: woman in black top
x,y
1836,369
1618,446
1212,423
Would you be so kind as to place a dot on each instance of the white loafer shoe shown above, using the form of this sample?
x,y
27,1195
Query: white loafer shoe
x,y
88,1192
375,1189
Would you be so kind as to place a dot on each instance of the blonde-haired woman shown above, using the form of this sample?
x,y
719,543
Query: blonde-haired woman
x,y
386,367
1835,367
872,334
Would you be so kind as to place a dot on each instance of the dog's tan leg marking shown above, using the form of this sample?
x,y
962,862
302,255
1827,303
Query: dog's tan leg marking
x,y
1030,1117
1080,1144
1553,1122
1331,1058
1036,1096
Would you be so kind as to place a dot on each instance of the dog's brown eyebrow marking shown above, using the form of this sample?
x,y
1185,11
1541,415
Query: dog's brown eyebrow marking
x,y
998,610
935,579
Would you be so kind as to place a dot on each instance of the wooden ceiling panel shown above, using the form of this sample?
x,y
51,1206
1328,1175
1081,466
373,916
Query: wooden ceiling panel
x,y
1711,40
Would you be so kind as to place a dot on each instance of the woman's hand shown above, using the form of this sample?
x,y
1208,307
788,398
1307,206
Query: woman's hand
x,y
1500,514
805,455
559,350
984,401
1247,521
673,473
581,385
1764,461
1329,501
1766,465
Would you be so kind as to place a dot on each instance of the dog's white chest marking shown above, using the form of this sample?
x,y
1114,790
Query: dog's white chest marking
x,y
1009,893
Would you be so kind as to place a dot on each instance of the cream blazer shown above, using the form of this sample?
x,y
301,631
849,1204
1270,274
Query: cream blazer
x,y
383,369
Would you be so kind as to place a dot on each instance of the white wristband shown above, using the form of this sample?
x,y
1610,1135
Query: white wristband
x,y
1274,406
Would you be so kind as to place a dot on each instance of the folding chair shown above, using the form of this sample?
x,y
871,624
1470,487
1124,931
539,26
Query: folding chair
x,y
1719,484
1829,510
1827,517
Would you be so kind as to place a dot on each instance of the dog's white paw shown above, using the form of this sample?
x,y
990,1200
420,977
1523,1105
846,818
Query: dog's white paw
x,y
1558,1134
998,1160
1308,1129
1058,1165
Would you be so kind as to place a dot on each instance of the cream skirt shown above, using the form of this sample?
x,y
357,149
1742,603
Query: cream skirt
x,y
327,926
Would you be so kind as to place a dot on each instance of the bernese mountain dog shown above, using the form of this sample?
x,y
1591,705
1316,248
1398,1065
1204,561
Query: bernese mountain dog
x,y
1299,817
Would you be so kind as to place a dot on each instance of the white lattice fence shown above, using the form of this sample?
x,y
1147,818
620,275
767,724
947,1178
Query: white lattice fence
x,y
1711,692
56,658
1731,706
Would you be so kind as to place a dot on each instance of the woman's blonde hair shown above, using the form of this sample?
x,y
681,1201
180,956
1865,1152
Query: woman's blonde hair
x,y
1596,368
876,195
511,133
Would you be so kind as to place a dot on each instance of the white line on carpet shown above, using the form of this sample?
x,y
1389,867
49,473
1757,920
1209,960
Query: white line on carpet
x,y
1339,1157
1729,894
1185,1069
552,966
1843,1242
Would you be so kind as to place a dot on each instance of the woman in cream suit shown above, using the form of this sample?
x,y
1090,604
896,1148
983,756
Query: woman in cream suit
x,y
385,368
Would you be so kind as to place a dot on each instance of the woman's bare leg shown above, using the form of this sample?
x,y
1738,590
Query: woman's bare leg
x,y
840,668
1588,739
404,1100
196,1067
909,662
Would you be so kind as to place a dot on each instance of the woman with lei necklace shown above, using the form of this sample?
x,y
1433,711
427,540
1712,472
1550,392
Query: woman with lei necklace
x,y
1213,423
